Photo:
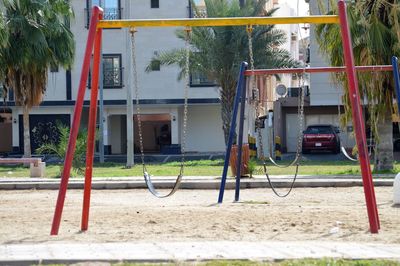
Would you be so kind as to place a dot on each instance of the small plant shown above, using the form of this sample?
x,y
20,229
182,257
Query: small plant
x,y
60,148
252,166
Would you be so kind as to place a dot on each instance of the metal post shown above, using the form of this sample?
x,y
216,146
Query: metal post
x,y
101,109
240,142
96,11
129,122
232,130
358,121
91,130
395,64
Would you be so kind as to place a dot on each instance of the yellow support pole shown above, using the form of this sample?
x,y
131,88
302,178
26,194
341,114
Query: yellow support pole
x,y
210,22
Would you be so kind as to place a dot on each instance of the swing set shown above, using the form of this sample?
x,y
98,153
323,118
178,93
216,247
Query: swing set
x,y
97,24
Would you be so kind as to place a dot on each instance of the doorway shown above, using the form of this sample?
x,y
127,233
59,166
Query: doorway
x,y
156,130
6,131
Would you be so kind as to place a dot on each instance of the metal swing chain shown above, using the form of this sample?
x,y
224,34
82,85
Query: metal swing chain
x,y
249,30
136,87
258,122
299,145
186,96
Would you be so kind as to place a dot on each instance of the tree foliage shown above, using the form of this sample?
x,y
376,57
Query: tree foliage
x,y
36,37
375,31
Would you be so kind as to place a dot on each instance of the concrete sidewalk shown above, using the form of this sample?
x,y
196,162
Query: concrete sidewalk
x,y
192,182
27,254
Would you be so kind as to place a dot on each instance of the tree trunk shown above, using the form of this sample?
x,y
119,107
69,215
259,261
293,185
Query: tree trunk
x,y
27,137
384,148
241,3
227,100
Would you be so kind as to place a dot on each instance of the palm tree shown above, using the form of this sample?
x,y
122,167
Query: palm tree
x,y
217,51
375,30
3,43
37,37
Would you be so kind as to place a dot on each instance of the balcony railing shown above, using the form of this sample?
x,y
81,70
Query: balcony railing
x,y
199,80
109,14
112,78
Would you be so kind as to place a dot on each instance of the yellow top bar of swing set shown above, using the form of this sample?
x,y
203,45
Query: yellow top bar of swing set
x,y
210,22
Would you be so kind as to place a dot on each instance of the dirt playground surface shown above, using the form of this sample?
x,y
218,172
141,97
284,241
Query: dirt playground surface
x,y
135,215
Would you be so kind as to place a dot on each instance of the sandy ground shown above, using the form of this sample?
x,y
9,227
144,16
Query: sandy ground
x,y
135,215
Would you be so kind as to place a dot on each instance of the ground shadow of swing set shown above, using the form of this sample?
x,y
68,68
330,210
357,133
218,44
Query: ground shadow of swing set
x,y
94,44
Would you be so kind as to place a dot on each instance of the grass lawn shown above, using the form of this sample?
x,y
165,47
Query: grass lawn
x,y
197,168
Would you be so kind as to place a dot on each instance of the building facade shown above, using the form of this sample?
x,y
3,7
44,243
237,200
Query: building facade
x,y
323,98
161,93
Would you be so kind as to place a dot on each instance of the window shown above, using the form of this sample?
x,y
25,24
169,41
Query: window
x,y
112,9
155,3
112,71
200,80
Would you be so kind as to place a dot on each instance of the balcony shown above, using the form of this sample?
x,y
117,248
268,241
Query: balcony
x,y
200,80
112,78
109,14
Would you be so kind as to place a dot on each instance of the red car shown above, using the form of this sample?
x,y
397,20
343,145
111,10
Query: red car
x,y
321,138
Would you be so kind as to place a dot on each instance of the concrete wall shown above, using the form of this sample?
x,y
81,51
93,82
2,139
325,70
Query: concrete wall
x,y
323,90
205,129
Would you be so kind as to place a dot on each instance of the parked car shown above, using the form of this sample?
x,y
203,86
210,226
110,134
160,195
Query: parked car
x,y
321,138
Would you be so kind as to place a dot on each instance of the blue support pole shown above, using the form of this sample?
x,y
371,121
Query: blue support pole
x,y
240,142
239,87
395,65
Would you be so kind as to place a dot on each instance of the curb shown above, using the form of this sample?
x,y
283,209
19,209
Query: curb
x,y
172,252
191,184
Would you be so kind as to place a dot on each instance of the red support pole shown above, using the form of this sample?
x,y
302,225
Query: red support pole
x,y
358,121
91,129
75,122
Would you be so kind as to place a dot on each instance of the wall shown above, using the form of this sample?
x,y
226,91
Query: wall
x,y
323,90
205,129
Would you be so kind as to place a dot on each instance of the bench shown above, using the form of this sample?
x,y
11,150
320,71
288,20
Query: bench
x,y
37,167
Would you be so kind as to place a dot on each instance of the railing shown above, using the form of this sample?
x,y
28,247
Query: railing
x,y
112,77
199,80
109,14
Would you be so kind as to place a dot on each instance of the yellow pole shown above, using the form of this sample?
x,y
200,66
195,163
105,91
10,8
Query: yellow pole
x,y
209,22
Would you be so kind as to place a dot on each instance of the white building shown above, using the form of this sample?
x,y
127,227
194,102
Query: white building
x,y
322,101
161,93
